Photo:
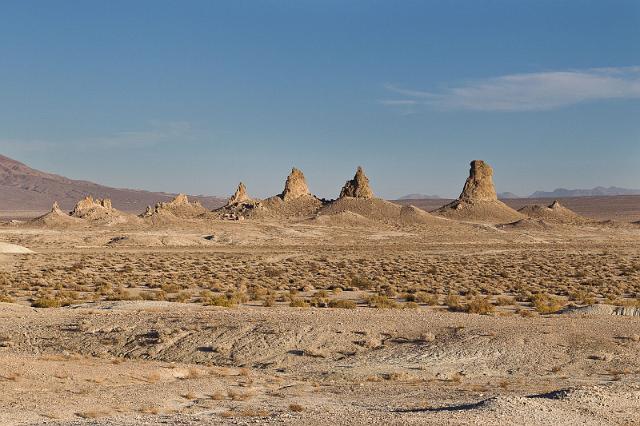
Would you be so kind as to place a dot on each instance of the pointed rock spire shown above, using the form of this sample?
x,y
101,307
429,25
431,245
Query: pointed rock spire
x,y
179,200
555,205
295,186
240,196
479,184
56,209
358,187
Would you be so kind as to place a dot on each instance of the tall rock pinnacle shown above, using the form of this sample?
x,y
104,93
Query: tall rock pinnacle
x,y
295,186
240,196
358,187
479,184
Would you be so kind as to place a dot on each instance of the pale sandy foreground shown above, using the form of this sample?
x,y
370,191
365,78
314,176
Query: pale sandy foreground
x,y
158,362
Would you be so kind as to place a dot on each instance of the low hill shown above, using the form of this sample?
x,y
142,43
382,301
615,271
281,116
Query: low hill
x,y
419,197
598,191
24,188
507,195
555,212
624,208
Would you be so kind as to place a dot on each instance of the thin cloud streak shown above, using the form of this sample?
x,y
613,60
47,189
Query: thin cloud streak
x,y
158,133
528,92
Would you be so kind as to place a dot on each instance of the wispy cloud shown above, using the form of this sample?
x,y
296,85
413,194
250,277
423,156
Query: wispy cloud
x,y
26,145
526,92
156,133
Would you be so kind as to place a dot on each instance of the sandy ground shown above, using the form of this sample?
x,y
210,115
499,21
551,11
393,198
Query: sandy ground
x,y
117,324
136,362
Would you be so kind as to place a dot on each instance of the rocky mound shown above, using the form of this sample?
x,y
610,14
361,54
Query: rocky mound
x,y
55,218
295,201
370,208
479,211
376,210
88,208
478,201
358,187
238,207
342,219
555,212
100,211
527,224
277,207
357,202
179,207
412,215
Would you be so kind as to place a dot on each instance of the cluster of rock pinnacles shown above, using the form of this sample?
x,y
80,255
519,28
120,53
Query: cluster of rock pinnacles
x,y
478,187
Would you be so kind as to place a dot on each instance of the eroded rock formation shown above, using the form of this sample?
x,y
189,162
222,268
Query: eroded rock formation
x,y
358,187
240,196
479,185
89,206
295,186
180,206
55,209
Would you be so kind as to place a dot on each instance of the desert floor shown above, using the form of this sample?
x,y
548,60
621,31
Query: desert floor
x,y
321,323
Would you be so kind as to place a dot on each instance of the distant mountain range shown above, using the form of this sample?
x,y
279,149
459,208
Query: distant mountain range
x,y
24,188
420,197
598,191
507,195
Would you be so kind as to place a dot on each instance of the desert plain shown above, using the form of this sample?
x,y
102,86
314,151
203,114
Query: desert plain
x,y
299,310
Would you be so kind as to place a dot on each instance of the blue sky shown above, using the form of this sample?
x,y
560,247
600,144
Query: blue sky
x,y
194,96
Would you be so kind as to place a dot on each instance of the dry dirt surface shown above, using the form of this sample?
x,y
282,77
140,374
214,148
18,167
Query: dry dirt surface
x,y
361,312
